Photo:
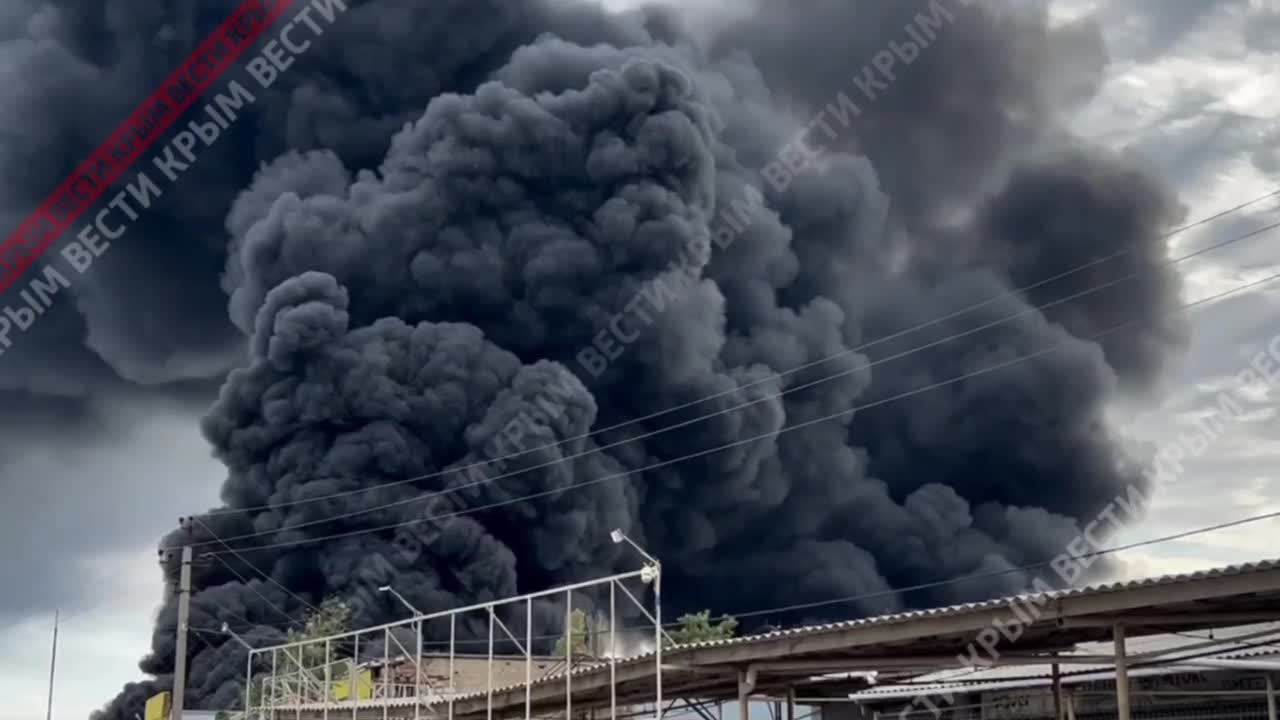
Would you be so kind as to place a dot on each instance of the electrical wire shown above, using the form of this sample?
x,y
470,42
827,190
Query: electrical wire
x,y
771,378
737,443
959,579
255,590
253,567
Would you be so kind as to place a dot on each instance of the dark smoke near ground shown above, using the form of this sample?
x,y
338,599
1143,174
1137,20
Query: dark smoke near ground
x,y
411,237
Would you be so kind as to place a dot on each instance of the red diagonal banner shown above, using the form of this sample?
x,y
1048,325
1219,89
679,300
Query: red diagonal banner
x,y
217,54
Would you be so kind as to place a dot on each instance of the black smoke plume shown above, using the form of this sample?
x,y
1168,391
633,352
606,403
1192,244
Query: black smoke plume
x,y
408,242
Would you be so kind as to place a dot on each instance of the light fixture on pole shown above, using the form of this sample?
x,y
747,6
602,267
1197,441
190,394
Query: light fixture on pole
x,y
651,572
226,630
648,572
398,596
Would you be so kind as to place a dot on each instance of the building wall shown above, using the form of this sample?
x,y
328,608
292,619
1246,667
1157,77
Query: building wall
x,y
471,672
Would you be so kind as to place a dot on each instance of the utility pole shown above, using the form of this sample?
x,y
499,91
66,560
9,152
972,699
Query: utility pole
x,y
184,612
53,663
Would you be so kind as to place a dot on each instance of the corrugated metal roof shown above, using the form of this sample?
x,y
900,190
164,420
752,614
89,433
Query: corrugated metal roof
x,y
1016,676
1228,570
806,630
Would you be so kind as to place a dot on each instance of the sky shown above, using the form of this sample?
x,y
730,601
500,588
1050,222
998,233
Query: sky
x,y
1189,93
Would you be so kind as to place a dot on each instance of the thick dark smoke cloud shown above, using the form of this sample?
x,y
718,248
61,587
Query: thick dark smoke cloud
x,y
406,243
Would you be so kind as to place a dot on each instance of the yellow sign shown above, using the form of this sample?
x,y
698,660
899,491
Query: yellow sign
x,y
158,707
341,689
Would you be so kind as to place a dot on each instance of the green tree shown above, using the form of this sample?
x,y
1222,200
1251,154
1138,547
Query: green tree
x,y
333,617
698,627
577,635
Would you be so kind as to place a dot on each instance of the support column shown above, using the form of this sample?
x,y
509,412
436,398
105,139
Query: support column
x,y
568,655
387,688
1057,693
791,703
355,671
417,674
248,684
1271,697
1122,673
613,650
657,636
746,685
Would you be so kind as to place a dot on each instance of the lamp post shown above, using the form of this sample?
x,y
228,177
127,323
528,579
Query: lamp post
x,y
651,572
226,630
398,596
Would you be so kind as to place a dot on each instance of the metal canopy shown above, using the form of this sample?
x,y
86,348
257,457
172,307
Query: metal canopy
x,y
908,644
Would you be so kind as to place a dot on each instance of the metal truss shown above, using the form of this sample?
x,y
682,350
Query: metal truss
x,y
382,671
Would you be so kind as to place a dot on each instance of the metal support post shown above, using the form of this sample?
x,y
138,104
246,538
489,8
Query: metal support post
x,y
180,652
1057,692
274,666
528,659
328,676
248,683
417,675
613,650
791,703
453,633
386,672
657,636
744,691
355,672
489,684
1271,697
1122,673
568,655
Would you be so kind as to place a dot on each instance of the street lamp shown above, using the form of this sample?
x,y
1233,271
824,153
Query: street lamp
x,y
226,630
398,596
647,575
651,572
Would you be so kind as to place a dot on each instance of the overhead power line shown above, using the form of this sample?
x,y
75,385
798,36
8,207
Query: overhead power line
x,y
1021,569
736,443
786,373
251,566
763,398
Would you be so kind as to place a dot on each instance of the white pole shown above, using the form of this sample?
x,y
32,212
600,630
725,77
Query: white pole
x,y
528,659
489,684
355,670
1271,698
328,676
613,650
417,676
248,684
386,672
274,669
180,653
657,634
1122,674
453,624
568,655
53,663
303,683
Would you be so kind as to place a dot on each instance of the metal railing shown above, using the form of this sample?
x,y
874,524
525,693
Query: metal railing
x,y
324,675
